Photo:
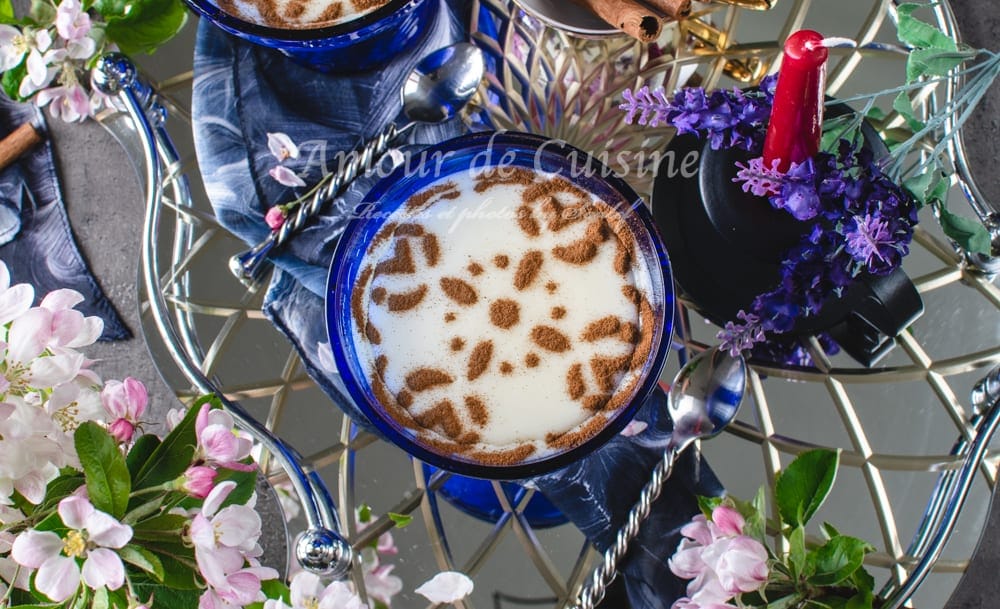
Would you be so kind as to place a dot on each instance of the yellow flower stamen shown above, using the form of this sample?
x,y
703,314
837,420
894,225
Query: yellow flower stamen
x,y
74,545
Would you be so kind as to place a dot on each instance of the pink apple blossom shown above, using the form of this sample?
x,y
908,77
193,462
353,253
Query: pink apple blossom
x,y
67,102
308,592
14,299
198,481
125,402
219,442
72,22
719,560
93,536
446,587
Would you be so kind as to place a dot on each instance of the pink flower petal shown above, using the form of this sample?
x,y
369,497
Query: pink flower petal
x,y
15,301
58,578
29,334
32,548
104,530
286,176
305,587
103,568
634,428
75,511
729,521
215,499
446,587
282,146
58,300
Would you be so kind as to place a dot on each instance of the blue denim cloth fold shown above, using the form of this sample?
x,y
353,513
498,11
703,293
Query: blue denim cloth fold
x,y
36,241
241,93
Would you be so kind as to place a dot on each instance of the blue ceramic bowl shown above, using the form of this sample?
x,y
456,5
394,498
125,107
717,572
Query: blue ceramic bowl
x,y
460,155
359,44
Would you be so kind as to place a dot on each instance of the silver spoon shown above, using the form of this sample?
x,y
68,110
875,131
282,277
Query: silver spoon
x,y
435,91
703,400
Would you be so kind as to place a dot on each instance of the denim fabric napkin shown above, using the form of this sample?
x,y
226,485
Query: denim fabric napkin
x,y
242,92
36,242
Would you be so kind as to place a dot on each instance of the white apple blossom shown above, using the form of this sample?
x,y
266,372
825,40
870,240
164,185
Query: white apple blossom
x,y
72,22
93,536
446,587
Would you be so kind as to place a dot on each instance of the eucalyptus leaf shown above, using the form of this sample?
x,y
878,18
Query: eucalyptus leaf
x,y
801,488
920,185
969,234
904,106
917,33
933,62
838,559
108,480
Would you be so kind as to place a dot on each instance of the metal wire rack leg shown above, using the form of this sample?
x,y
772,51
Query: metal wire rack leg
x,y
320,548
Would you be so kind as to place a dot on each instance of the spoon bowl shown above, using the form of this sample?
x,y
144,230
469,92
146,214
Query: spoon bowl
x,y
443,83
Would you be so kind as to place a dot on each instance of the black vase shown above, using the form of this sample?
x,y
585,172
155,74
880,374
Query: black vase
x,y
726,247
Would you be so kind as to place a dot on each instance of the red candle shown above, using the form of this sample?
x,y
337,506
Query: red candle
x,y
796,124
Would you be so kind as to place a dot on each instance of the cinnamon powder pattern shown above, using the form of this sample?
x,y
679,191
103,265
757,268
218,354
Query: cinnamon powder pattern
x,y
523,330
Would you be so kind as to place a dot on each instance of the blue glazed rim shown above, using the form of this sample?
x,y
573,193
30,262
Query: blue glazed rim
x,y
304,38
461,154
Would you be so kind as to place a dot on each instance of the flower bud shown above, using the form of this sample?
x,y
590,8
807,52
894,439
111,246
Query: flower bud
x,y
122,430
198,481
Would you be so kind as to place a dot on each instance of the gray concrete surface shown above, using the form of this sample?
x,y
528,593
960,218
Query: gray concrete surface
x,y
104,204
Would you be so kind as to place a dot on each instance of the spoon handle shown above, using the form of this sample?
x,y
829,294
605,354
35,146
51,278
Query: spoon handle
x,y
249,266
593,592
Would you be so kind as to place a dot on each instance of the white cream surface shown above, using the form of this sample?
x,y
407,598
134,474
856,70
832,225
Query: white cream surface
x,y
527,404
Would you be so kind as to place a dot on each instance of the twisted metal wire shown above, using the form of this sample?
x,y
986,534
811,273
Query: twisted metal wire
x,y
605,573
248,266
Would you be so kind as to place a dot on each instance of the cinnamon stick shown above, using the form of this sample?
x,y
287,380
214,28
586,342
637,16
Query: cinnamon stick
x,y
674,9
629,16
17,143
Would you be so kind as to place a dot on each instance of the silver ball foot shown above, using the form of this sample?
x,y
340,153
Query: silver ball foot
x,y
324,552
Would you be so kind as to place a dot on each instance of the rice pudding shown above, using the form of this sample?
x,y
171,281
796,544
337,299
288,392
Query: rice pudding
x,y
299,14
503,316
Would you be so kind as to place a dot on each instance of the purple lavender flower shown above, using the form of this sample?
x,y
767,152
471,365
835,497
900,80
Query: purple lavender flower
x,y
798,195
739,337
757,179
651,107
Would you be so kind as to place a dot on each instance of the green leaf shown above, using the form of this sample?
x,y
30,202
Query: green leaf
x,y
168,598
144,559
110,8
797,551
707,504
939,194
803,486
108,481
829,530
917,33
147,507
863,580
246,484
141,451
969,234
60,488
179,567
786,602
862,600
364,513
933,62
920,185
904,106
101,600
828,602
400,520
11,81
7,12
876,114
42,11
275,588
838,559
154,528
173,455
146,25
